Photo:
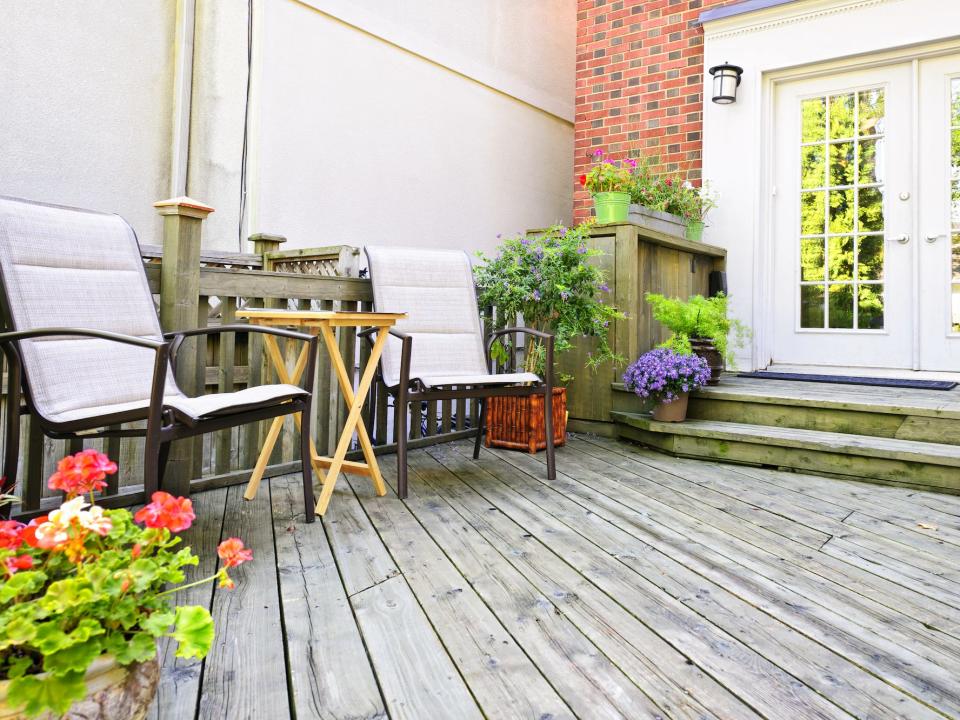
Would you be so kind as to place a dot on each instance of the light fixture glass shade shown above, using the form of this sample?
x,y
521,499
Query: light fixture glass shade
x,y
726,78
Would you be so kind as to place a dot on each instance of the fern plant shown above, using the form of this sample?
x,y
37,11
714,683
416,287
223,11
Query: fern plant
x,y
698,318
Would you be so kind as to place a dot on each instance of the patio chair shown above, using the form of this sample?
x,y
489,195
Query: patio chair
x,y
438,352
86,352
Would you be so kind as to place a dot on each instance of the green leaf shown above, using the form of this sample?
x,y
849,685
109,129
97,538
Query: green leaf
x,y
18,631
159,622
19,666
75,658
57,693
23,583
138,648
194,631
65,594
50,637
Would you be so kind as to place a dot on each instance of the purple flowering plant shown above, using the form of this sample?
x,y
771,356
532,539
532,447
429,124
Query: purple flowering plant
x,y
551,280
663,374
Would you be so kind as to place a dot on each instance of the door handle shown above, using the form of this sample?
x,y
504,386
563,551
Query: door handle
x,y
902,239
931,239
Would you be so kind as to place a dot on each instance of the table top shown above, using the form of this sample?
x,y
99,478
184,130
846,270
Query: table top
x,y
308,318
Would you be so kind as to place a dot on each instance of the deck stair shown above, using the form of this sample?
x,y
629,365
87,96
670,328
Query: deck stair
x,y
903,437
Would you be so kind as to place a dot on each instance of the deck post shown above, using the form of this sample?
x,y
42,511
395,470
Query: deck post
x,y
179,310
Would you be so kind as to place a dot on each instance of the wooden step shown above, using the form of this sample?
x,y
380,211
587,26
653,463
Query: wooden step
x,y
867,457
923,415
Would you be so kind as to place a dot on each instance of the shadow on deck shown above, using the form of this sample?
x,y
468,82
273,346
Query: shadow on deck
x,y
636,585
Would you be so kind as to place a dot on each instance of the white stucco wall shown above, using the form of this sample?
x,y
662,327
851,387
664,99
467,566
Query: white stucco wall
x,y
364,141
86,113
736,157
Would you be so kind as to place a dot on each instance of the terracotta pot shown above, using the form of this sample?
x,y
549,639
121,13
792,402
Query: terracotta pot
x,y
517,422
674,411
705,348
113,691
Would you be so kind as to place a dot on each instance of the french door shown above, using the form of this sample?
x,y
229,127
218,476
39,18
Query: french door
x,y
866,219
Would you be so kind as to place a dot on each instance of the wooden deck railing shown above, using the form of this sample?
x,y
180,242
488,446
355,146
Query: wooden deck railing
x,y
207,289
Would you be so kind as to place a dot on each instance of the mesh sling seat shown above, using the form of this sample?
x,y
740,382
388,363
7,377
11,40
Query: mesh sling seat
x,y
438,351
85,348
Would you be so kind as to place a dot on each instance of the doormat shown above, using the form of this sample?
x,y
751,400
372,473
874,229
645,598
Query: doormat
x,y
853,380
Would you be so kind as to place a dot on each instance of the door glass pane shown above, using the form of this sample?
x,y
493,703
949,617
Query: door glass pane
x,y
811,306
870,307
840,258
812,259
870,257
842,119
842,151
841,306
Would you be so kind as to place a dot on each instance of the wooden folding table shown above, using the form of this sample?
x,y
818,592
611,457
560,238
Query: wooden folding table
x,y
323,323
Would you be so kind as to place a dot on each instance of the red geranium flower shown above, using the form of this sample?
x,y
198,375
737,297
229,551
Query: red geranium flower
x,y
29,533
11,534
18,562
82,473
233,553
167,511
583,179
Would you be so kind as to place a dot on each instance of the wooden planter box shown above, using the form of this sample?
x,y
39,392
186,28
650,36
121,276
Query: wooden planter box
x,y
664,222
517,422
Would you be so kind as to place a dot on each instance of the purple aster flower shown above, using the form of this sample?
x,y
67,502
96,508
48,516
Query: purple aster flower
x,y
563,231
605,288
536,295
582,250
662,374
524,241
565,295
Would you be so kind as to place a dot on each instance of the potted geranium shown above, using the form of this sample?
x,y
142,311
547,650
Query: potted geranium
x,y
84,598
667,378
702,326
609,182
696,203
656,200
549,281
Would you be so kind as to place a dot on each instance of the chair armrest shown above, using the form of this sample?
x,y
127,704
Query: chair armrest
x,y
9,337
179,336
547,338
392,331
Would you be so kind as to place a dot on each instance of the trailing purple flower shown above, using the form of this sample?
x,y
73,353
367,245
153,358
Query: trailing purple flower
x,y
663,374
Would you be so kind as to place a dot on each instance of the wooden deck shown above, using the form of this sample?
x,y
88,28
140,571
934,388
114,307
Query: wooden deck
x,y
634,586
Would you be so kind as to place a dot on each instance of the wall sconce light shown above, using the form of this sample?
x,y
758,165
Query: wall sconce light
x,y
726,79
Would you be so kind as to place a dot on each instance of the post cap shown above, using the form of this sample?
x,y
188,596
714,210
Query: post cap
x,y
267,237
183,206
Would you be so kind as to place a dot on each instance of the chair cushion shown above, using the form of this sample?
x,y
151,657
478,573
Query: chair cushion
x,y
189,410
488,380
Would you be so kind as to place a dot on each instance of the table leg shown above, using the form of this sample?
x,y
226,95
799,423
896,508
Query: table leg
x,y
346,388
353,417
273,352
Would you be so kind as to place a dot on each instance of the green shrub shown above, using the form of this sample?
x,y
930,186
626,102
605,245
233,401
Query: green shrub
x,y
698,317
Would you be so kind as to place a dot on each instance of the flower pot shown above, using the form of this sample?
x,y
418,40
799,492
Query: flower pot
x,y
695,230
656,220
707,349
611,207
673,411
113,691
518,422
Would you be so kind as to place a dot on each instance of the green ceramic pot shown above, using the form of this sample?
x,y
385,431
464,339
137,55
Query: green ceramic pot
x,y
611,207
695,230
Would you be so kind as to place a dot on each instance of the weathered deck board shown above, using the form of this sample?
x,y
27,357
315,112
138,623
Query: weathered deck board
x,y
322,636
419,679
635,585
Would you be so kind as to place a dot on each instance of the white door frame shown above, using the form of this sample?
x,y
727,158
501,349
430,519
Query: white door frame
x,y
764,252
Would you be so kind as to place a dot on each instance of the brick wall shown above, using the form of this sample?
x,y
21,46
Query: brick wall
x,y
639,84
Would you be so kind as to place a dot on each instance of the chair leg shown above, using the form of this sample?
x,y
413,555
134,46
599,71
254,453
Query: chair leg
x,y
306,459
12,453
548,427
162,461
400,430
152,453
481,422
